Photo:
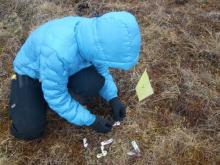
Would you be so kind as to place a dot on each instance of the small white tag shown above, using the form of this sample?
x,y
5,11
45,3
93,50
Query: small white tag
x,y
117,123
99,155
107,142
85,144
131,153
102,148
135,146
104,152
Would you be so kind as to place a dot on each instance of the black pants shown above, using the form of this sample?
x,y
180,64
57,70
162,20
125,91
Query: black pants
x,y
28,107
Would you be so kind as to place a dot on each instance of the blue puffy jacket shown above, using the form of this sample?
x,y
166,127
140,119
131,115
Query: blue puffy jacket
x,y
62,47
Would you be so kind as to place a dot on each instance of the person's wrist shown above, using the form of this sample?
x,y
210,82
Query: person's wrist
x,y
94,122
114,101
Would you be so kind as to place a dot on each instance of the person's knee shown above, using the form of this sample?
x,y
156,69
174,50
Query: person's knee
x,y
87,82
27,133
27,126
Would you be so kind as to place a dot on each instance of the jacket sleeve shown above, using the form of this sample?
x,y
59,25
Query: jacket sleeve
x,y
54,79
109,89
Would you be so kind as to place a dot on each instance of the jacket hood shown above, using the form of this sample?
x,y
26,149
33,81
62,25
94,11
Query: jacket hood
x,y
113,40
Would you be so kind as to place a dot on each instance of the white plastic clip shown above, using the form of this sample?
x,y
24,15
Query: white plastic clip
x,y
135,151
104,152
135,146
117,123
107,142
85,144
131,153
101,155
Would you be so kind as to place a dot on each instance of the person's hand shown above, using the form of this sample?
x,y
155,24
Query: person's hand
x,y
101,125
118,109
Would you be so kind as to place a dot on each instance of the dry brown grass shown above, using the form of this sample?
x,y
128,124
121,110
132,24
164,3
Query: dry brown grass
x,y
179,124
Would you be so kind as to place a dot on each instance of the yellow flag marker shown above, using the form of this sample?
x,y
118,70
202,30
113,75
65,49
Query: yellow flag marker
x,y
143,88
